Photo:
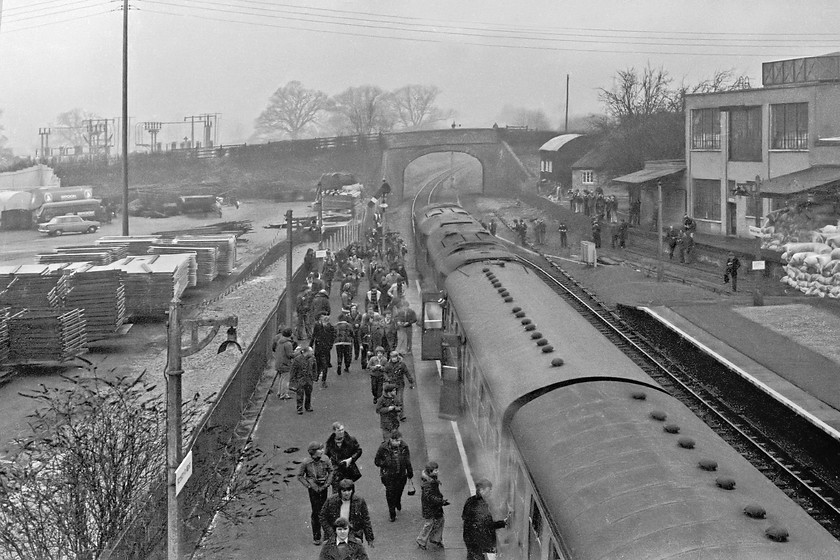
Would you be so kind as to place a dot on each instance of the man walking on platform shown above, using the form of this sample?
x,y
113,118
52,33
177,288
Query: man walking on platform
x,y
323,338
284,352
389,411
431,503
405,318
346,504
316,474
394,461
396,372
343,450
343,546
301,377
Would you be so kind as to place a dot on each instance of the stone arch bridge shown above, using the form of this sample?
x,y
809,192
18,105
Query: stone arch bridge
x,y
502,171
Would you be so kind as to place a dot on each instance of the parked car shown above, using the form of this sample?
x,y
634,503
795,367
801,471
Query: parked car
x,y
67,224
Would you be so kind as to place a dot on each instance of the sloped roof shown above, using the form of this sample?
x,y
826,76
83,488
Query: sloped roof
x,y
558,142
653,170
803,180
593,159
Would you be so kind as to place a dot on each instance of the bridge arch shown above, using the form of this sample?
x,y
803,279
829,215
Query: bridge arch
x,y
466,151
501,169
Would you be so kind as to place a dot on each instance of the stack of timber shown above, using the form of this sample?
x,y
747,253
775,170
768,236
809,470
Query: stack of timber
x,y
226,244
46,335
100,292
31,287
4,335
206,259
151,281
135,244
99,255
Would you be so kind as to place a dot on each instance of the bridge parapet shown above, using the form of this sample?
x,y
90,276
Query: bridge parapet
x,y
427,138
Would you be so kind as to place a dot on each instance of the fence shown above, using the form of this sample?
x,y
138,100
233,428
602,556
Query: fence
x,y
216,446
343,236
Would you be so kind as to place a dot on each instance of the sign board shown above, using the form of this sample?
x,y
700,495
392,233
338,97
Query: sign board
x,y
183,473
320,253
758,265
588,253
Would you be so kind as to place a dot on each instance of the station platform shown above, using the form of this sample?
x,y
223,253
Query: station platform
x,y
792,373
285,435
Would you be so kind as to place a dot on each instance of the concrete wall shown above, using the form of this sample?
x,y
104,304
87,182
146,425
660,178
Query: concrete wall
x,y
29,178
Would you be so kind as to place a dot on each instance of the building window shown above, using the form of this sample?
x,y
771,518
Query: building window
x,y
587,177
745,134
753,203
705,129
706,199
790,126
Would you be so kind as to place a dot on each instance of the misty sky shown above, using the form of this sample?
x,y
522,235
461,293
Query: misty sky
x,y
189,57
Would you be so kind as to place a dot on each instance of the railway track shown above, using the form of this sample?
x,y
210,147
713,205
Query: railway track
x,y
801,468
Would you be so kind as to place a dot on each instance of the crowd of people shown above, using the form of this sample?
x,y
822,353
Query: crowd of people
x,y
593,203
378,337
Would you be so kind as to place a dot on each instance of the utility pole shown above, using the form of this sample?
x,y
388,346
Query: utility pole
x,y
125,120
291,296
566,128
44,133
660,273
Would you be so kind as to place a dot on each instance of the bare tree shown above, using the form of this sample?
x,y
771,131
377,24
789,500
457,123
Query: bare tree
x,y
415,105
96,450
291,109
366,108
721,80
71,129
638,95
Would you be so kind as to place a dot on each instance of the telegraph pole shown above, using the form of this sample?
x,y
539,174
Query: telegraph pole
x,y
566,129
125,120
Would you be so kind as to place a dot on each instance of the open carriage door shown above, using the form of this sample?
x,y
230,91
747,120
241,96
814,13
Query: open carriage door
x,y
432,323
450,377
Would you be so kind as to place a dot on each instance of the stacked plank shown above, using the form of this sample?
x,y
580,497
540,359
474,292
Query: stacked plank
x,y
205,258
135,244
100,292
236,228
31,286
4,335
46,335
151,281
226,244
100,255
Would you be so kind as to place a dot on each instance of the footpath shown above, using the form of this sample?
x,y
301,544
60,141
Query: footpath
x,y
285,435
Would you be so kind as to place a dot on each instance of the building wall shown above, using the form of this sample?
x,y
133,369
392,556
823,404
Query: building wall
x,y
29,178
823,122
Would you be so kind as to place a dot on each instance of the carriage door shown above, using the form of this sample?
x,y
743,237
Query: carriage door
x,y
432,323
450,376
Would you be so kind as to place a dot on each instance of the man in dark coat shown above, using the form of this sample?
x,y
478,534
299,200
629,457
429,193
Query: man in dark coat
x,y
343,450
431,504
320,304
395,373
389,410
283,348
733,263
302,376
323,338
479,526
357,513
343,546
394,461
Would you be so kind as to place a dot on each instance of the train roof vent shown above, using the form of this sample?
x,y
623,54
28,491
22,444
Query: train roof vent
x,y
707,465
557,362
725,483
777,533
658,415
686,443
755,511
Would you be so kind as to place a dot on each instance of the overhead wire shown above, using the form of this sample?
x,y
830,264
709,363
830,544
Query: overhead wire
x,y
439,36
56,11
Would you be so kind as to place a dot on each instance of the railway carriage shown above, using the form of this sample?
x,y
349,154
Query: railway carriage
x,y
592,457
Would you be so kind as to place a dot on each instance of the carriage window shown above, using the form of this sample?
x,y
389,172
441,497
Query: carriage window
x,y
535,533
432,315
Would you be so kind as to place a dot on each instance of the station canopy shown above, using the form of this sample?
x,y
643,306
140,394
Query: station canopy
x,y
652,172
15,200
821,177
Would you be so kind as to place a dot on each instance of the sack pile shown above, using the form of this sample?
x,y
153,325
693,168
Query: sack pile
x,y
797,224
814,268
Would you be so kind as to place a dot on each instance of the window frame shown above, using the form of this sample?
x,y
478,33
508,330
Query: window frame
x,y
706,200
705,128
797,141
587,177
745,133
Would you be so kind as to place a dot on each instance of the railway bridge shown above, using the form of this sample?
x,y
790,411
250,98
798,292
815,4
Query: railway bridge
x,y
501,170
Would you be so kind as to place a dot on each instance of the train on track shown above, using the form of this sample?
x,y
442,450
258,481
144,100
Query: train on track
x,y
593,459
